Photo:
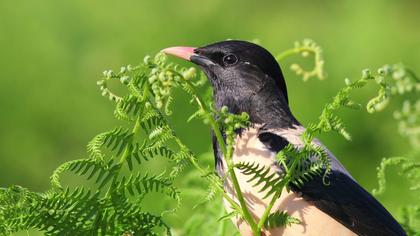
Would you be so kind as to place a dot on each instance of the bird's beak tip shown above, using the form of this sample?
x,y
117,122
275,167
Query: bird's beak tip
x,y
181,52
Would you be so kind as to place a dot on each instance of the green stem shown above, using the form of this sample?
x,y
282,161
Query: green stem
x,y
126,152
229,162
246,214
276,196
136,127
229,199
413,75
222,227
219,137
228,156
202,106
216,129
268,209
293,51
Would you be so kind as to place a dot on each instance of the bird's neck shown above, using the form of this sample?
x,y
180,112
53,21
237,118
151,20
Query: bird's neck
x,y
270,109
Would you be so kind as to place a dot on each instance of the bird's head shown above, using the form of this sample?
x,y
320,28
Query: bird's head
x,y
243,74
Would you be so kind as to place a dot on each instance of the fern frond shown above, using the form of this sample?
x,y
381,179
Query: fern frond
x,y
63,212
410,219
184,154
107,210
82,212
140,153
182,158
94,146
188,88
146,184
14,206
305,48
120,112
210,195
409,168
198,113
309,161
118,139
168,103
159,136
179,167
82,167
228,216
138,85
151,119
262,176
280,219
119,216
409,122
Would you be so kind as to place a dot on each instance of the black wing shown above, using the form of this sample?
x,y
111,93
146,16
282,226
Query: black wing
x,y
343,199
348,203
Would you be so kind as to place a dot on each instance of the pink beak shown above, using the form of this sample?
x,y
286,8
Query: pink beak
x,y
181,52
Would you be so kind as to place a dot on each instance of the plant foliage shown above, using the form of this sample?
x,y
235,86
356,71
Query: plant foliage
x,y
112,198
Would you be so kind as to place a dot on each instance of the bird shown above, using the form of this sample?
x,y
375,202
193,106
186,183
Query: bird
x,y
245,77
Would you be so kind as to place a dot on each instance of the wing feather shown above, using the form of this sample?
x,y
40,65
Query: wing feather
x,y
343,199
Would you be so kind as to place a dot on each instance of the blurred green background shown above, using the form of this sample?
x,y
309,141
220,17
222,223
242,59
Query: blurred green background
x,y
52,53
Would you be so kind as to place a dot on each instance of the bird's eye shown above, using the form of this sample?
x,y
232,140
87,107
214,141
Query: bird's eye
x,y
230,59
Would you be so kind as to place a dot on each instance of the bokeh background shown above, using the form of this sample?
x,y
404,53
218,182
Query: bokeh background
x,y
52,53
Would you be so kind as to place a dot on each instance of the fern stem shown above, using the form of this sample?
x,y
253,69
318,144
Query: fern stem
x,y
222,226
285,181
293,51
268,208
227,197
227,153
126,152
136,127
219,138
229,162
246,214
215,127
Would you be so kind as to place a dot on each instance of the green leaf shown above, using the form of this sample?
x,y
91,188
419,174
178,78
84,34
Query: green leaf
x,y
280,219
227,216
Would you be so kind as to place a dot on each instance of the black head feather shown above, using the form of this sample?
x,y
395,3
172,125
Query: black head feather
x,y
236,54
246,78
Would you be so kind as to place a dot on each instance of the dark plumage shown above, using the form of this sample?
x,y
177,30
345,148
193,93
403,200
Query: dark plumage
x,y
246,78
253,84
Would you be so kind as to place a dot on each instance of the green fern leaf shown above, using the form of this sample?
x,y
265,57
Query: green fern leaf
x,y
261,176
280,219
